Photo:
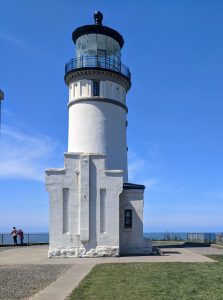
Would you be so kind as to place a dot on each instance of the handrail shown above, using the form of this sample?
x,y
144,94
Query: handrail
x,y
97,62
29,238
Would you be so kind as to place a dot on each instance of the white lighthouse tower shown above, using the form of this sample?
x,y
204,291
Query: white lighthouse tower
x,y
94,210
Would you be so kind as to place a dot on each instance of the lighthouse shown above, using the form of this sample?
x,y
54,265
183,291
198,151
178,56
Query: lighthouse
x,y
98,83
94,210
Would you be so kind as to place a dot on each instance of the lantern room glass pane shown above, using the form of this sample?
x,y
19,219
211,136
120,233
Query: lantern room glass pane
x,y
92,44
101,42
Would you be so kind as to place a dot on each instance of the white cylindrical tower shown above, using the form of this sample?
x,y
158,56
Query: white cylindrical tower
x,y
98,83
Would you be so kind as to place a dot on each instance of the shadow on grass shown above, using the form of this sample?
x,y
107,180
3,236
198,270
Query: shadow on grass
x,y
216,257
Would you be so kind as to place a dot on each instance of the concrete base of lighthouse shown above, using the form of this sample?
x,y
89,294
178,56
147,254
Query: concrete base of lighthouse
x,y
84,252
87,210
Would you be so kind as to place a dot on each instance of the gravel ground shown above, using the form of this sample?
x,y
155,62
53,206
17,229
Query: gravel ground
x,y
22,281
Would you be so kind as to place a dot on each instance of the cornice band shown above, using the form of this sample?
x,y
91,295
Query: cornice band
x,y
97,99
103,74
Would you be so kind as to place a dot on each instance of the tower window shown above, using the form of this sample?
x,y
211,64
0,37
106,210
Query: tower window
x,y
128,218
96,88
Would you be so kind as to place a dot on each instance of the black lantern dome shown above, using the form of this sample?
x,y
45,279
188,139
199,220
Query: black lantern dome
x,y
98,28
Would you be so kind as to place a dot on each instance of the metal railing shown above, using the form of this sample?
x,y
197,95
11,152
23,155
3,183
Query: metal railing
x,y
201,237
219,239
97,62
29,238
183,236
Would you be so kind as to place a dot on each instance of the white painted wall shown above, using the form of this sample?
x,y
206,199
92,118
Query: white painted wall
x,y
98,127
91,232
85,237
108,89
131,239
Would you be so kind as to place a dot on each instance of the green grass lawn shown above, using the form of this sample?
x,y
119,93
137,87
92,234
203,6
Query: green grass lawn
x,y
153,281
216,257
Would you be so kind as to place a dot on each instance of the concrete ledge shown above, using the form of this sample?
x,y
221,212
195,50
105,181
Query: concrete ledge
x,y
217,246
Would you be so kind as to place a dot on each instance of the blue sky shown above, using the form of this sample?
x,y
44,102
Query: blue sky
x,y
174,50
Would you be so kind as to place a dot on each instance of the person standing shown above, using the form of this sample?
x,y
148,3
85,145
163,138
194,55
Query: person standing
x,y
14,235
21,236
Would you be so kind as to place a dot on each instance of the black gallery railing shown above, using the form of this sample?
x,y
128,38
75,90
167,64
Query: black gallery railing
x,y
97,62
